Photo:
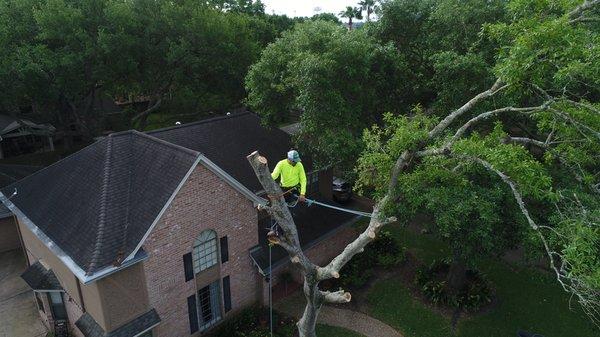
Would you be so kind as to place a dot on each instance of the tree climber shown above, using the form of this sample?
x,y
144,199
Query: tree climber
x,y
292,175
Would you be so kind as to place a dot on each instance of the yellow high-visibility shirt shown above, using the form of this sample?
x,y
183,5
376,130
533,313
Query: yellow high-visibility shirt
x,y
290,175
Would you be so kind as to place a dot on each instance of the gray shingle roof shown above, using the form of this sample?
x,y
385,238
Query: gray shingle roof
x,y
98,203
227,140
40,278
90,328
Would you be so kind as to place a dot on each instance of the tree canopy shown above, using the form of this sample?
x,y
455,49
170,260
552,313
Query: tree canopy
x,y
178,56
335,78
521,169
488,120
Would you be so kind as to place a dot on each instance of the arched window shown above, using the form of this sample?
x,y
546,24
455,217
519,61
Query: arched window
x,y
205,251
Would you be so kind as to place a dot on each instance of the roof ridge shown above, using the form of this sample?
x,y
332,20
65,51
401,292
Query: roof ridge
x,y
202,121
102,215
119,257
164,142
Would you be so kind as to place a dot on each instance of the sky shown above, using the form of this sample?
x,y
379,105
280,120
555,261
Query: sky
x,y
306,7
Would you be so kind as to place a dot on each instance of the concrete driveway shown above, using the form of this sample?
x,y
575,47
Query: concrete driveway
x,y
18,313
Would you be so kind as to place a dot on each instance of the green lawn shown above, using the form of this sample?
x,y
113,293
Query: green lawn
x,y
333,331
528,299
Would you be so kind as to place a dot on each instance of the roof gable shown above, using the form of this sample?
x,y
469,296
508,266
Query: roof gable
x,y
97,204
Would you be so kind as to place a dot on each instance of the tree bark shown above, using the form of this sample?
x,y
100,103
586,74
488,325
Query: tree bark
x,y
308,322
457,274
143,116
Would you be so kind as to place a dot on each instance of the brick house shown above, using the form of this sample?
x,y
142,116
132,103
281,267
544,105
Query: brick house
x,y
158,234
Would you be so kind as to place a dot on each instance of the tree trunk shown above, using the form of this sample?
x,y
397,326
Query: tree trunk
x,y
457,275
349,23
289,240
142,117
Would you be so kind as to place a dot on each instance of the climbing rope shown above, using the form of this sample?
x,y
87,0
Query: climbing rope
x,y
310,202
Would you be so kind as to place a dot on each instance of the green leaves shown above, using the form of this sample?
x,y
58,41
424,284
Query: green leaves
x,y
547,50
342,82
513,160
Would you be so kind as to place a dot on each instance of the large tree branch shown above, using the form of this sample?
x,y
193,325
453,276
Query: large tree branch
x,y
583,105
587,297
563,161
339,296
332,270
438,129
483,116
577,124
148,111
579,10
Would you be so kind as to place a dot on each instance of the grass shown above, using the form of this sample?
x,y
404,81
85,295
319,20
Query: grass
x,y
333,331
527,299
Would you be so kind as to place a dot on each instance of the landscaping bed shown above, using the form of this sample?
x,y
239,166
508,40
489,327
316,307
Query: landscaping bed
x,y
254,322
525,298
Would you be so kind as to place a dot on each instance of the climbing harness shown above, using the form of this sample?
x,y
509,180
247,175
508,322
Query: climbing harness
x,y
282,194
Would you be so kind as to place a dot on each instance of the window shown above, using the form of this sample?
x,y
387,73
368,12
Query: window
x,y
226,294
312,182
58,307
224,249
209,306
192,313
188,267
205,251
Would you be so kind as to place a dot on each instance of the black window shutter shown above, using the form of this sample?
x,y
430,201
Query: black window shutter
x,y
226,294
192,314
224,250
188,266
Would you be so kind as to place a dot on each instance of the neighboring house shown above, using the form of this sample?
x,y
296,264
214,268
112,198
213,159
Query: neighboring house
x,y
158,233
21,136
9,236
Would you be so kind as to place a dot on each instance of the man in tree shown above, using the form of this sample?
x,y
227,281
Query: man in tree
x,y
292,175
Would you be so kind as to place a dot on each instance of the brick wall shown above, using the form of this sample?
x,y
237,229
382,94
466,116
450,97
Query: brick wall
x,y
204,202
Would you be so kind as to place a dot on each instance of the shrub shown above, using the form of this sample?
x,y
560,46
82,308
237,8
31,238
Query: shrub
x,y
432,284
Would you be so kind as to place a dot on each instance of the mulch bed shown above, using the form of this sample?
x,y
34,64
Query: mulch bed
x,y
405,273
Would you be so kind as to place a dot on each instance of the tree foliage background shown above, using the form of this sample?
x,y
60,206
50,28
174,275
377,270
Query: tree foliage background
x,y
491,107
59,57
